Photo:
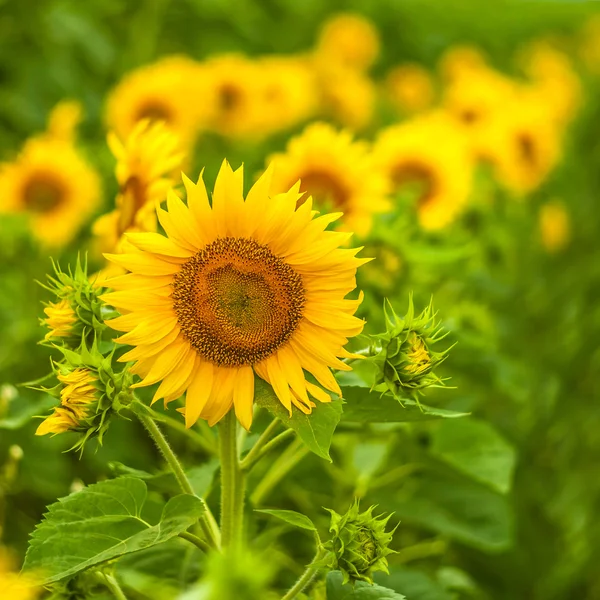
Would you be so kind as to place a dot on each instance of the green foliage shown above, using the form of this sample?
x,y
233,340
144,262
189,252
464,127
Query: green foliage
x,y
315,430
293,518
337,590
100,523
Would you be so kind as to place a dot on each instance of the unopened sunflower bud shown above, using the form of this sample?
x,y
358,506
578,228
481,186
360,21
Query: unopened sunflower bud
x,y
78,312
404,354
359,545
90,392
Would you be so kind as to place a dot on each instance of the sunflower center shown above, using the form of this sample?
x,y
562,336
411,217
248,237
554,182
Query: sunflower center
x,y
43,193
236,302
526,149
417,177
229,97
154,110
324,188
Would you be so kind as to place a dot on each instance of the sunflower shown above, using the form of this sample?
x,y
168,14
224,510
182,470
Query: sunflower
x,y
554,80
52,182
410,88
428,152
288,90
60,318
15,586
350,40
167,91
78,393
64,119
522,143
336,171
346,96
146,164
555,226
461,60
235,101
237,288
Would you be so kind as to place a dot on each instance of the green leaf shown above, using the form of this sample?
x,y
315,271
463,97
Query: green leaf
x,y
290,516
359,591
23,408
100,523
415,583
478,450
446,503
315,430
365,406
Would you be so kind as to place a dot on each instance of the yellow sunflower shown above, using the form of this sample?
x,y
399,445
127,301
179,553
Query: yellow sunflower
x,y
346,96
288,90
461,60
168,91
350,40
146,165
553,78
14,586
54,184
410,88
522,143
429,152
236,288
64,119
234,102
336,171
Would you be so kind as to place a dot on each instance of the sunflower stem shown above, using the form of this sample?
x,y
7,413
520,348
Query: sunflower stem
x,y
306,578
112,584
264,438
207,522
253,458
233,483
194,539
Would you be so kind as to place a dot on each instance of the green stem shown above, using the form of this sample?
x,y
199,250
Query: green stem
x,y
113,585
206,523
287,460
194,539
192,434
306,577
276,441
258,450
232,483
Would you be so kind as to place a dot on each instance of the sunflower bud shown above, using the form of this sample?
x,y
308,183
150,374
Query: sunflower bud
x,y
359,545
78,312
89,392
404,354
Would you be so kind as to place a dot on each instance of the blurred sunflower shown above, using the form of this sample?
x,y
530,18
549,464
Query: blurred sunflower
x,y
349,40
64,119
235,104
475,98
410,88
589,44
461,60
553,79
289,92
336,171
555,226
429,156
522,143
52,182
146,165
168,91
236,288
14,586
346,96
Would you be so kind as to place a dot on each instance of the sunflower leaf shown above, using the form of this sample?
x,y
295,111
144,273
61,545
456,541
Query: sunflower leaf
x,y
290,516
336,590
315,430
100,523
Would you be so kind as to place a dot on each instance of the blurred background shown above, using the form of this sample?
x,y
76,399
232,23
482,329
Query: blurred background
x,y
462,143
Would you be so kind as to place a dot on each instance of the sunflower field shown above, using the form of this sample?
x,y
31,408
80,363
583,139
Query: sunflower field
x,y
299,300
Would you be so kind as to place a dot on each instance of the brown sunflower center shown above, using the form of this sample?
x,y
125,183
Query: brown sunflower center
x,y
527,150
229,97
324,187
417,177
43,193
154,110
236,302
